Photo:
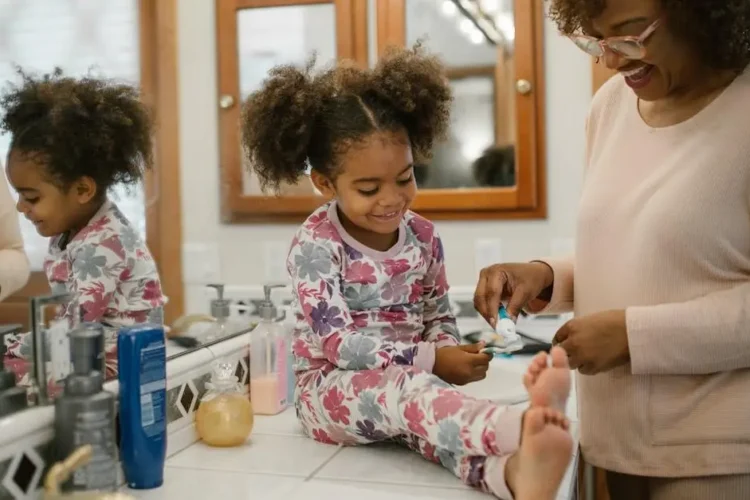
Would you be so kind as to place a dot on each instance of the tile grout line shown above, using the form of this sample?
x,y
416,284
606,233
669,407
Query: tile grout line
x,y
325,462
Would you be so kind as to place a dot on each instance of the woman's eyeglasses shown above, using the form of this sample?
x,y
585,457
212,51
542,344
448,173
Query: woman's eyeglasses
x,y
630,47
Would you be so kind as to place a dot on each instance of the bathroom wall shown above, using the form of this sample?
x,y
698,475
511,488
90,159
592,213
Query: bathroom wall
x,y
251,254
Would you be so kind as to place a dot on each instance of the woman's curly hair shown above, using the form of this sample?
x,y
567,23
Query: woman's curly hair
x,y
717,30
79,127
300,119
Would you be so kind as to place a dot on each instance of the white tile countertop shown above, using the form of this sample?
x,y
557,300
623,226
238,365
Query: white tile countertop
x,y
278,462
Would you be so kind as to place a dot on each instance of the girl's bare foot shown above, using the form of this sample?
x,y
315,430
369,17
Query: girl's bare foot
x,y
549,386
546,451
506,476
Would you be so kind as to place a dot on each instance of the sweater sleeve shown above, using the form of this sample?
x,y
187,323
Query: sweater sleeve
x,y
561,300
701,336
316,269
439,322
14,265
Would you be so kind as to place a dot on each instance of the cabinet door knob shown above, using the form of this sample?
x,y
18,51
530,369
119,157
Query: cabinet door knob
x,y
226,101
523,87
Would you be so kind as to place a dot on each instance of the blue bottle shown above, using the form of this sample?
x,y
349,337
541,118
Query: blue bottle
x,y
142,359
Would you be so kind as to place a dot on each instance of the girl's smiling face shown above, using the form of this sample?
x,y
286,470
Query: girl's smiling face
x,y
374,187
52,209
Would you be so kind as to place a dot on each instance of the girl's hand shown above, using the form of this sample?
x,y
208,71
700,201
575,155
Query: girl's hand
x,y
460,365
595,343
516,284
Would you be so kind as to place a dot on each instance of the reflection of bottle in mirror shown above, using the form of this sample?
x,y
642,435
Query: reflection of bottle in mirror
x,y
268,360
221,311
225,415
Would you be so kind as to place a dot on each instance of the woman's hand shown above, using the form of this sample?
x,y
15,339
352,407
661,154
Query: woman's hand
x,y
518,284
595,343
461,364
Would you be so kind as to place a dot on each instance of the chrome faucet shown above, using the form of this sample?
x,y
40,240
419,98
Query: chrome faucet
x,y
38,344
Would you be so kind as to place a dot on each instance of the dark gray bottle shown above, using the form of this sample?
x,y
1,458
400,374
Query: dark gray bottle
x,y
85,413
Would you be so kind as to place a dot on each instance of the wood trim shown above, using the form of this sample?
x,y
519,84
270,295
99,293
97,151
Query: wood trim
x,y
600,73
158,68
459,72
351,43
528,198
254,4
159,80
391,23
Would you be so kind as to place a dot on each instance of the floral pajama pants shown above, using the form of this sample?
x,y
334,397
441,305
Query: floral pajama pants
x,y
411,407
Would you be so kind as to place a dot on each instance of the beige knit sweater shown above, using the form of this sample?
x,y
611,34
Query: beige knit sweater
x,y
664,232
14,266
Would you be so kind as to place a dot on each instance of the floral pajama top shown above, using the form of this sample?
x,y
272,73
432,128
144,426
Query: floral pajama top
x,y
357,308
111,276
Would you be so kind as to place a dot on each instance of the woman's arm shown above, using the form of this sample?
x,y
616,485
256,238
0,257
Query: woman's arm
x,y
439,322
14,265
316,270
559,297
706,335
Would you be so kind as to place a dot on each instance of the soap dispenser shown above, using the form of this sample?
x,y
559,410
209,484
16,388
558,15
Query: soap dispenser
x,y
221,311
85,413
268,360
12,397
225,415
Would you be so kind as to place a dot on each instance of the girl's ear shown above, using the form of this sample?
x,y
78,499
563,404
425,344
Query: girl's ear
x,y
85,189
323,184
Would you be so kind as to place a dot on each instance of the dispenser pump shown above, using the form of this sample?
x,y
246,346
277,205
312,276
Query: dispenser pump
x,y
87,349
219,306
267,307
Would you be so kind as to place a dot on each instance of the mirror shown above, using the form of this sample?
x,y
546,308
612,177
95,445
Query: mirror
x,y
269,36
479,150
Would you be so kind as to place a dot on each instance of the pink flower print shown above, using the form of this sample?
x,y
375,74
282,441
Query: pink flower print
x,y
414,417
333,403
447,404
322,436
331,346
59,271
398,332
361,272
94,302
395,289
415,295
325,231
114,244
392,316
428,451
394,267
441,284
366,379
301,349
152,291
304,397
316,219
422,229
95,226
359,319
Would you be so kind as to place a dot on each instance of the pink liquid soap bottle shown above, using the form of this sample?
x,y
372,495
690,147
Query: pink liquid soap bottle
x,y
268,360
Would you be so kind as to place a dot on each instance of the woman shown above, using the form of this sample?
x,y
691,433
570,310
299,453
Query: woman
x,y
661,334
14,266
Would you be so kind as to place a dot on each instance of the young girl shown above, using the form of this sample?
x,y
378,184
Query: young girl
x,y
71,141
376,344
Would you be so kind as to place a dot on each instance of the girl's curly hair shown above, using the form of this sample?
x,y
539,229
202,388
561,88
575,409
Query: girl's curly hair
x,y
717,30
299,118
79,127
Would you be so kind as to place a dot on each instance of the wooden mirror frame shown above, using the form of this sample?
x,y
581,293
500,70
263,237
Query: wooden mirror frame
x,y
526,200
